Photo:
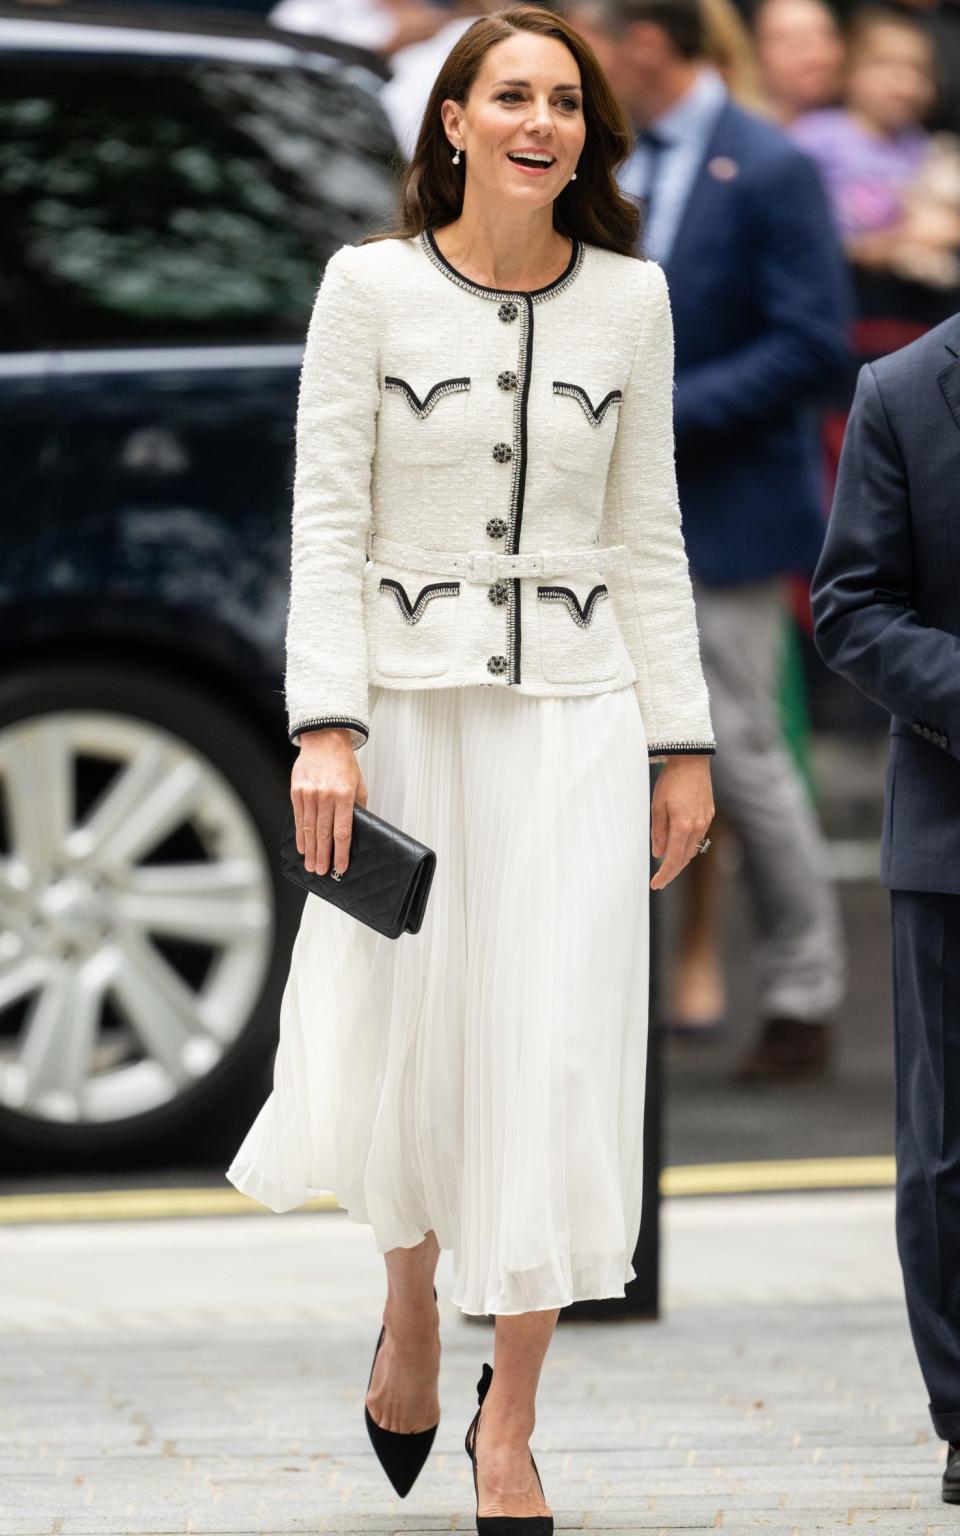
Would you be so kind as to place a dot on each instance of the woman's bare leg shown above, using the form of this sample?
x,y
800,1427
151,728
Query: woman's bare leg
x,y
505,1476
403,1392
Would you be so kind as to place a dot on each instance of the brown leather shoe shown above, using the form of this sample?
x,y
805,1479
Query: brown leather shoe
x,y
788,1051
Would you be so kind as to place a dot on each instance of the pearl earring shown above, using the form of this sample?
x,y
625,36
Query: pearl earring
x,y
574,176
456,158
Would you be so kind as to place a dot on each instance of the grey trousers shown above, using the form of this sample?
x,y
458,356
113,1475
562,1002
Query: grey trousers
x,y
801,952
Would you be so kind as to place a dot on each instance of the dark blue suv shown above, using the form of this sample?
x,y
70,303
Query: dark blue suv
x,y
170,190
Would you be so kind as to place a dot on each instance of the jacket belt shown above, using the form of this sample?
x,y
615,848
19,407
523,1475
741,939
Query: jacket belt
x,y
490,565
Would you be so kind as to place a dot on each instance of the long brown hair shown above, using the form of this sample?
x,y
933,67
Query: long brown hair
x,y
592,208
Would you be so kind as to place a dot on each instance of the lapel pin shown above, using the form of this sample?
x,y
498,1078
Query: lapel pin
x,y
722,168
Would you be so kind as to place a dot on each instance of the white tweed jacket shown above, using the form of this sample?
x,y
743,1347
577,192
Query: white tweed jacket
x,y
485,492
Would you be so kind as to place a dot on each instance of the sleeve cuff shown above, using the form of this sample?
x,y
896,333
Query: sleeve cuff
x,y
679,748
359,731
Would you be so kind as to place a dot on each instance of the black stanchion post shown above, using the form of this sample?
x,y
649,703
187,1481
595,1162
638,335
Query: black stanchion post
x,y
642,1299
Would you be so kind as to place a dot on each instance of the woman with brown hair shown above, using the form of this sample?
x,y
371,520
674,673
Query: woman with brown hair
x,y
489,582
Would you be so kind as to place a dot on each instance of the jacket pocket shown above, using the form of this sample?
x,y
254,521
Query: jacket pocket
x,y
584,427
415,627
580,640
422,420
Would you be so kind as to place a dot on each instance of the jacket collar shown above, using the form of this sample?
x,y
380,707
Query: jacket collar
x,y
537,295
708,192
952,339
949,377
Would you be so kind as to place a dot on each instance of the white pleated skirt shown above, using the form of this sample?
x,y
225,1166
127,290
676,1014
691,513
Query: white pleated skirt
x,y
484,1078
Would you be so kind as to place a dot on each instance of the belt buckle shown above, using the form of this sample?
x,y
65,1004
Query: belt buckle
x,y
481,564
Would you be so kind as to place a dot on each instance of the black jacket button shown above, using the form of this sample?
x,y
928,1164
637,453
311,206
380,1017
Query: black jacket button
x,y
507,380
496,527
497,665
508,311
502,452
498,593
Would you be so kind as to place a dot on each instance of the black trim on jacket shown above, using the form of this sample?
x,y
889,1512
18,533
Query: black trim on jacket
x,y
321,722
569,272
577,392
566,595
413,612
422,408
679,749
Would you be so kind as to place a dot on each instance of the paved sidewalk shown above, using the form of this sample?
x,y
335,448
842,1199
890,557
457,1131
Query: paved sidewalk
x,y
207,1376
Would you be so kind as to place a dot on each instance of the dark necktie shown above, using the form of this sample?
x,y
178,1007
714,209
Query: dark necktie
x,y
655,145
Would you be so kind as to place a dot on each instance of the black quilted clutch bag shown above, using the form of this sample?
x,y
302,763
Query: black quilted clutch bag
x,y
386,882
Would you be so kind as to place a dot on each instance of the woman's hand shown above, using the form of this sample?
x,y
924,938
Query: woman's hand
x,y
875,249
323,787
681,812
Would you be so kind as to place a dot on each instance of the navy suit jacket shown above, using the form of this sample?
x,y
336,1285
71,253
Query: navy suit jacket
x,y
886,594
760,298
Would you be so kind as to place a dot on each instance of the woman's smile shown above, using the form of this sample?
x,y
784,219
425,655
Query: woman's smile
x,y
532,162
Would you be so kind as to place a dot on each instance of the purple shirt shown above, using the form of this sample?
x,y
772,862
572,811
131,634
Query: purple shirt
x,y
866,177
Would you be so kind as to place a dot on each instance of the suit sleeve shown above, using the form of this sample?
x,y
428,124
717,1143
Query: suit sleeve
x,y
326,654
653,599
866,625
802,295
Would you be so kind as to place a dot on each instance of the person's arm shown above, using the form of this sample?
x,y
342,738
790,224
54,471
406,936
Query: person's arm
x,y
866,625
801,292
326,653
653,599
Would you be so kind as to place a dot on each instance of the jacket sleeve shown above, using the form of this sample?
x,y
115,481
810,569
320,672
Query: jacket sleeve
x,y
802,296
866,625
653,598
326,653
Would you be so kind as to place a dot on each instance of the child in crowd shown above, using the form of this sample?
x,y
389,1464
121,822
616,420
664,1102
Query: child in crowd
x,y
894,187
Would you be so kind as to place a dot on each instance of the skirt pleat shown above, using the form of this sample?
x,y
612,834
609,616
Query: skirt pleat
x,y
484,1078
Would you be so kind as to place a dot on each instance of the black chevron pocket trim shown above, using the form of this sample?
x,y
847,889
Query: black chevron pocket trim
x,y
422,408
582,616
413,613
578,393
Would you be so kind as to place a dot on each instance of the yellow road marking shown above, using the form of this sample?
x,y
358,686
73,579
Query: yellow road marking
x,y
794,1174
697,1179
136,1205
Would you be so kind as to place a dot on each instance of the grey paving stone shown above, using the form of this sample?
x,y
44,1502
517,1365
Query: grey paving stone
x,y
649,1520
225,1396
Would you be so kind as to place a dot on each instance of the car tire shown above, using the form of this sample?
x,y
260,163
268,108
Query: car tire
x,y
244,782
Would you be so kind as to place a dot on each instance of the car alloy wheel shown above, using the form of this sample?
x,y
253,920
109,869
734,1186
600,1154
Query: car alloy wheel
x,y
136,916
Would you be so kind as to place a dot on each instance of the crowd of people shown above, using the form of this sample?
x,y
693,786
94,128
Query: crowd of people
x,y
841,131
871,93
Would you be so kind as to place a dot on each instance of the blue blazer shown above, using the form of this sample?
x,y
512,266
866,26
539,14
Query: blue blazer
x,y
886,594
761,298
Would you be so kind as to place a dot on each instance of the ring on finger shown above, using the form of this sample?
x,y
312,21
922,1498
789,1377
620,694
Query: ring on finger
x,y
703,845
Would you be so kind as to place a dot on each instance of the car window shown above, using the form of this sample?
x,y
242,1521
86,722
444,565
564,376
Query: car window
x,y
196,203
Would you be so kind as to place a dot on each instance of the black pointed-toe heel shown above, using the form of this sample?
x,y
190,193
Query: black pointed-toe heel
x,y
500,1525
401,1455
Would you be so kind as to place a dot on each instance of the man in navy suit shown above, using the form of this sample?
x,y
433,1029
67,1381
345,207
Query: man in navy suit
x,y
737,217
886,599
